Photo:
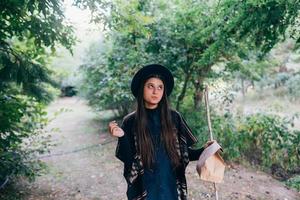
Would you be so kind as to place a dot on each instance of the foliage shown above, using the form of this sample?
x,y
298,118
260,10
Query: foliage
x,y
261,22
108,71
42,20
111,88
294,182
262,139
22,121
274,80
272,140
285,84
29,28
293,85
29,32
31,72
190,37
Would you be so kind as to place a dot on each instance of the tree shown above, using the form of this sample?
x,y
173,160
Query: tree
x,y
190,37
108,74
28,29
29,32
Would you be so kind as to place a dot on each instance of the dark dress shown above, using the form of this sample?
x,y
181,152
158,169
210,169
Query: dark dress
x,y
160,180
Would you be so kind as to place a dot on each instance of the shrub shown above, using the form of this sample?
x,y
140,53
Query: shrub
x,y
281,78
262,139
22,120
272,141
293,85
294,182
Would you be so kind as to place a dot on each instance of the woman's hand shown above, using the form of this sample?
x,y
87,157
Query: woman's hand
x,y
114,129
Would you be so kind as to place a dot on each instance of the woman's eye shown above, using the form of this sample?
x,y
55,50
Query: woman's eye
x,y
150,86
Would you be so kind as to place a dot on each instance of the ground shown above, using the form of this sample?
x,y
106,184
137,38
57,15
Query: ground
x,y
82,165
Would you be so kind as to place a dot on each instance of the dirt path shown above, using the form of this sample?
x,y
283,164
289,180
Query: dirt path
x,y
95,174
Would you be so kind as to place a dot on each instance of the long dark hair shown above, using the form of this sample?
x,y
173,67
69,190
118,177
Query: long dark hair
x,y
145,144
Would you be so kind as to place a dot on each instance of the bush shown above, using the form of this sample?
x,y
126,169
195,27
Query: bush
x,y
261,139
271,140
293,85
294,182
22,120
196,120
281,78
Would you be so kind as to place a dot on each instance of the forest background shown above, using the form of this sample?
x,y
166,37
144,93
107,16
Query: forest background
x,y
245,51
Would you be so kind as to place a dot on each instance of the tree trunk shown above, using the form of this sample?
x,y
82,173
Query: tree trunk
x,y
199,87
187,75
243,86
183,91
198,96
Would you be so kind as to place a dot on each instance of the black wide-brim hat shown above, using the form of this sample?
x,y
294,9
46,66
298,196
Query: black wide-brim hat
x,y
146,72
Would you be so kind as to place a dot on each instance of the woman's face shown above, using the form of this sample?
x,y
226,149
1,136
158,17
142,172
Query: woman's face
x,y
153,92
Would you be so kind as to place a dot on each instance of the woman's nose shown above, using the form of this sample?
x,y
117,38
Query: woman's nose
x,y
154,90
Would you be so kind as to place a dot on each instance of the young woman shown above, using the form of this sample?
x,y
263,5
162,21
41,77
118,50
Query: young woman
x,y
154,141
